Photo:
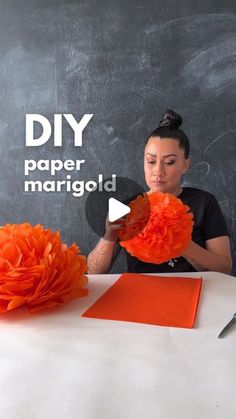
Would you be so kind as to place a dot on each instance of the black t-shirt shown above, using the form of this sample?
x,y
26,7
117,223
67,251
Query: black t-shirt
x,y
209,223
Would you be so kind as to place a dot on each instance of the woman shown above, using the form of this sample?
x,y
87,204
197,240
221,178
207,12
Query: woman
x,y
166,158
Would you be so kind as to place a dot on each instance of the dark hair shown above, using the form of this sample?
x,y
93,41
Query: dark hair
x,y
169,128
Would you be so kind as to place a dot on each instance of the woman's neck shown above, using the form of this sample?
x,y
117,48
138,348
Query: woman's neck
x,y
178,192
175,193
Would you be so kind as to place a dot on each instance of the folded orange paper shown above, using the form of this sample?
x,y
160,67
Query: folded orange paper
x,y
160,300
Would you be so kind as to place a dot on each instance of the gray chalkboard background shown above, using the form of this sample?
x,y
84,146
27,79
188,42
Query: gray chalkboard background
x,y
124,61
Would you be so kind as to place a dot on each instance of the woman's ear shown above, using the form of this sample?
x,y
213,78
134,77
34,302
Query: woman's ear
x,y
186,166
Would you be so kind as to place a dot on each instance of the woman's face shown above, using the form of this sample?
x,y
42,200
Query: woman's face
x,y
164,163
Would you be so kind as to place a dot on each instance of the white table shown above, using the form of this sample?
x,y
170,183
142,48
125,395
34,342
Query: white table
x,y
57,364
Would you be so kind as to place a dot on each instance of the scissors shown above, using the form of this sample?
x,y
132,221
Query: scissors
x,y
227,327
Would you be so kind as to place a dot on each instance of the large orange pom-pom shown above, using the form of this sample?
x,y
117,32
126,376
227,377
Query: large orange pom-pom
x,y
37,269
165,235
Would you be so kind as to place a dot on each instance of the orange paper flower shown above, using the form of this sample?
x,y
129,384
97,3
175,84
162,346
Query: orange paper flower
x,y
165,235
37,269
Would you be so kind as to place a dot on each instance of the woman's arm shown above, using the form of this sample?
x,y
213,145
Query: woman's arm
x,y
101,258
216,257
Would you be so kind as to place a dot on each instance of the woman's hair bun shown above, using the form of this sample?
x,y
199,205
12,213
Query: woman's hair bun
x,y
170,119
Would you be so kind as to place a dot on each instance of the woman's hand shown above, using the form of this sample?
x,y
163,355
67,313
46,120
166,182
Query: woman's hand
x,y
112,229
215,257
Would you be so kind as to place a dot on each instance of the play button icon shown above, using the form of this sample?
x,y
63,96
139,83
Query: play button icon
x,y
116,209
102,204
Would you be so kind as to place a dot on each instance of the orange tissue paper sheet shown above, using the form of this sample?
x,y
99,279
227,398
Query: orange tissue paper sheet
x,y
158,300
